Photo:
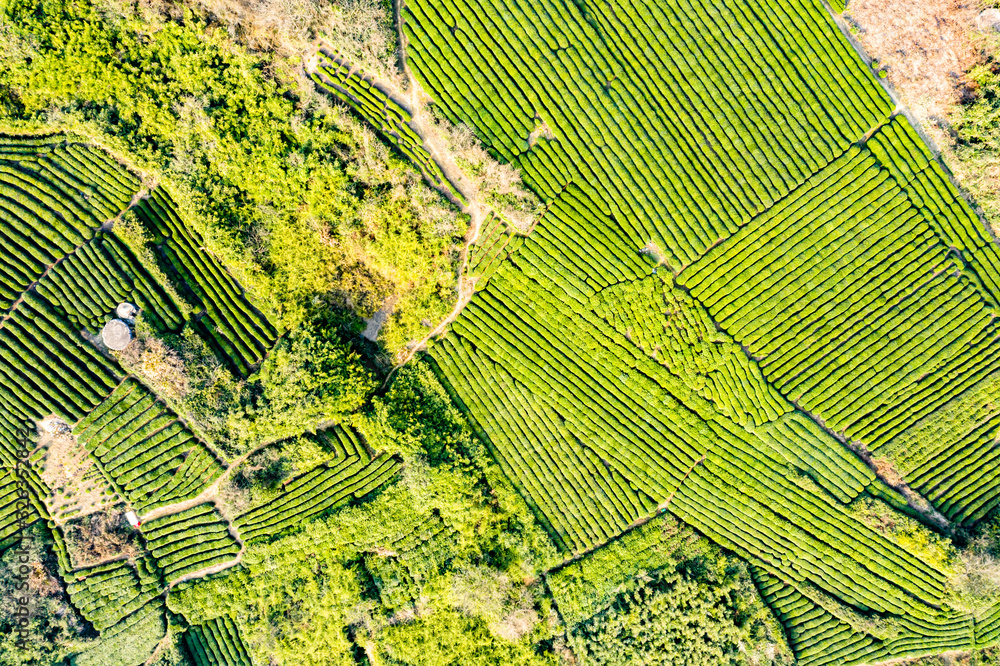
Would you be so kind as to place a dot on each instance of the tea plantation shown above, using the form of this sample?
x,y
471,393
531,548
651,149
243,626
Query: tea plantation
x,y
751,278
732,397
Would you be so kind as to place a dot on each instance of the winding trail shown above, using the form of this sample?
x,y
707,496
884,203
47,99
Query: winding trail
x,y
210,494
415,103
476,209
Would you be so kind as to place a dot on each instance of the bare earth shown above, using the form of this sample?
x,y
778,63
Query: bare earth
x,y
77,486
928,45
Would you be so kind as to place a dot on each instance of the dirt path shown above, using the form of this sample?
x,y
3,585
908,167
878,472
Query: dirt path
x,y
210,494
159,648
466,289
476,208
208,571
435,144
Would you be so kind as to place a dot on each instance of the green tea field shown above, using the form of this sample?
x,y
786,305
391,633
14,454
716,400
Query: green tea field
x,y
751,279
692,354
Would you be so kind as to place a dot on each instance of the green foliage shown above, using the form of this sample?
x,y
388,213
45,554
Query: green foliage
x,y
173,653
417,406
55,630
661,592
311,377
585,587
297,199
975,146
980,120
267,468
668,618
448,638
295,595
907,532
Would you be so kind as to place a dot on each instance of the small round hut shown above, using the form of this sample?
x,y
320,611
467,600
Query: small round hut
x,y
126,310
116,335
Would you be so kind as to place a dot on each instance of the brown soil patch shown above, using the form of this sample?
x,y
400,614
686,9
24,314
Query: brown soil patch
x,y
101,537
887,471
158,365
375,323
76,485
927,45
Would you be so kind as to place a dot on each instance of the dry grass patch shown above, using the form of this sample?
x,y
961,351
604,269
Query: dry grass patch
x,y
77,487
926,45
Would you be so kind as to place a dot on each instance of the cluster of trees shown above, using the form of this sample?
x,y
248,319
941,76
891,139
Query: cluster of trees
x,y
305,205
54,628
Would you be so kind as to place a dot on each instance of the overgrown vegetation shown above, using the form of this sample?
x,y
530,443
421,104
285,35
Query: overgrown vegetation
x,y
975,132
442,568
480,542
695,616
306,206
448,563
54,628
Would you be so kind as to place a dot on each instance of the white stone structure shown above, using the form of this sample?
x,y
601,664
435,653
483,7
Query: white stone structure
x,y
116,335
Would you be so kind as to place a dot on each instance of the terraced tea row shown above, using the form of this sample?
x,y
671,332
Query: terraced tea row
x,y
90,282
190,541
495,243
350,474
224,316
850,230
54,197
348,84
122,600
874,334
898,149
150,457
682,133
16,511
836,283
823,636
583,502
737,490
664,323
55,200
951,456
46,367
217,643
63,271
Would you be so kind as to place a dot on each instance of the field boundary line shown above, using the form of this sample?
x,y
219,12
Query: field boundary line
x,y
659,510
901,108
209,494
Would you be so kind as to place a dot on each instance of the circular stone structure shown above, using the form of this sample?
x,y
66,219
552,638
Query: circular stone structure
x,y
116,335
126,310
989,19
